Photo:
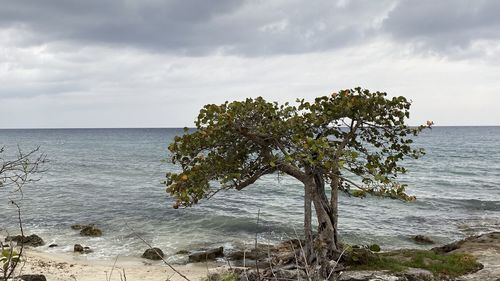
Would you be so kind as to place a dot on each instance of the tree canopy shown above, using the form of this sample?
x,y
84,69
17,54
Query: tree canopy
x,y
358,133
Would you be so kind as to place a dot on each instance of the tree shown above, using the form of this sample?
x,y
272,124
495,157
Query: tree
x,y
351,141
15,172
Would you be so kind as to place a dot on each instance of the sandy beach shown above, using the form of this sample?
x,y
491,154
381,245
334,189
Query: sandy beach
x,y
71,267
60,267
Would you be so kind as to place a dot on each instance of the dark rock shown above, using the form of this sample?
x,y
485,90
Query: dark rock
x,y
81,249
253,254
33,240
284,274
80,226
153,254
472,243
53,245
412,274
448,247
33,277
250,263
488,238
417,274
78,248
90,230
366,275
182,252
87,250
453,246
206,255
359,256
87,229
421,239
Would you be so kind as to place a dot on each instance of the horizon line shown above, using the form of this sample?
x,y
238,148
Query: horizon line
x,y
90,128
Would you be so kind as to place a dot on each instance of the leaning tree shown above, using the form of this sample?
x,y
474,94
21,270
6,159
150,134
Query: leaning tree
x,y
351,141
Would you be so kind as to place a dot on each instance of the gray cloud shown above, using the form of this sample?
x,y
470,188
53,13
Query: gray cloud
x,y
251,28
197,27
445,25
155,63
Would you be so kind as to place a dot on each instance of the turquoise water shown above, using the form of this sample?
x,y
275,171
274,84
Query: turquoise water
x,y
111,177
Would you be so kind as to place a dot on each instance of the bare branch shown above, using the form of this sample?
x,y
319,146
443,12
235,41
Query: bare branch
x,y
151,247
23,169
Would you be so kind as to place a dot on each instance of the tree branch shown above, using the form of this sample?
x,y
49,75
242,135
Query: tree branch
x,y
250,180
292,171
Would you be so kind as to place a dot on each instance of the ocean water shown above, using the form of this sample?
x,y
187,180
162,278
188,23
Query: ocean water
x,y
112,178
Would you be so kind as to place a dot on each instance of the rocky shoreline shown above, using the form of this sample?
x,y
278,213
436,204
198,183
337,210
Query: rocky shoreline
x,y
485,248
478,255
279,261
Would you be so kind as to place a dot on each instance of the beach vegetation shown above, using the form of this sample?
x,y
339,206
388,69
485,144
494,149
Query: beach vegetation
x,y
9,260
441,265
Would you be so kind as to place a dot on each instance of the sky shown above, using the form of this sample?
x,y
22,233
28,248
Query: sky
x,y
152,63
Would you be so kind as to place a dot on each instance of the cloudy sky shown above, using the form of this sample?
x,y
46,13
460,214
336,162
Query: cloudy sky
x,y
154,63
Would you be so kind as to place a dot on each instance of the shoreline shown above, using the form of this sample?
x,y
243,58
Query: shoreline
x,y
62,267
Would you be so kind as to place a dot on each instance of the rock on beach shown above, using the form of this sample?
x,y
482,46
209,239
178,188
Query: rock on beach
x,y
32,240
153,254
210,254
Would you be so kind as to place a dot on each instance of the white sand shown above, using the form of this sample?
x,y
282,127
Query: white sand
x,y
58,267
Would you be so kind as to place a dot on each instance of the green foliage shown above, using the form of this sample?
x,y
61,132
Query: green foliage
x,y
9,259
379,263
441,265
355,255
354,139
374,248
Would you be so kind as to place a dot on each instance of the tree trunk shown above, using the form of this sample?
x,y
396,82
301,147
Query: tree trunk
x,y
308,247
325,245
334,203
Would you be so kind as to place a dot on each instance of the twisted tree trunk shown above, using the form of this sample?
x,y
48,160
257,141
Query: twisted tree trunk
x,y
324,247
325,244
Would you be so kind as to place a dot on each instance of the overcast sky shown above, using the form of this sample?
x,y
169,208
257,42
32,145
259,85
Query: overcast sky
x,y
155,63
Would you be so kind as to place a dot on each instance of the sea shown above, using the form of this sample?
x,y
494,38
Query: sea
x,y
112,178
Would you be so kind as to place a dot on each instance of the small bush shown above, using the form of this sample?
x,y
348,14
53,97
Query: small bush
x,y
374,248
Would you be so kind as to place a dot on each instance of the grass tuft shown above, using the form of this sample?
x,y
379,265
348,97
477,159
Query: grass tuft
x,y
441,265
